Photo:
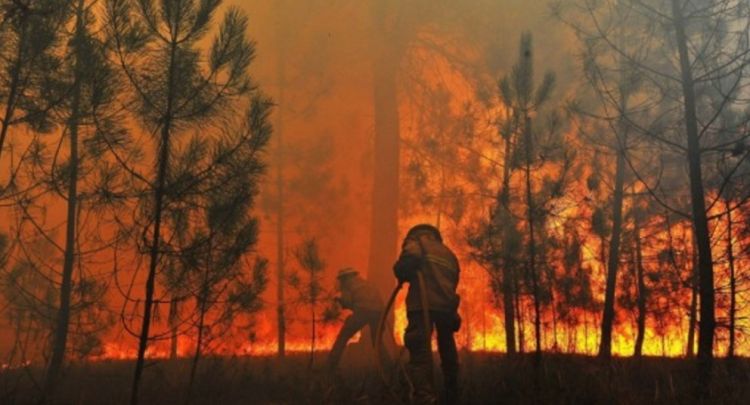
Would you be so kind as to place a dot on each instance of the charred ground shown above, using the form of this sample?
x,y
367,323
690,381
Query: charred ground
x,y
486,378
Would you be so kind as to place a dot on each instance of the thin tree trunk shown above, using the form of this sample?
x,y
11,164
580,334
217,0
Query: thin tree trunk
x,y
161,177
278,132
519,315
732,285
17,332
608,316
555,345
280,273
532,247
698,204
15,82
199,341
693,308
693,311
508,276
642,292
63,313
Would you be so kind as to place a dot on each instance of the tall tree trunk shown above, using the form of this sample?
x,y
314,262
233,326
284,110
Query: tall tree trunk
x,y
555,345
63,312
385,192
199,341
642,292
732,284
693,284
508,307
280,274
161,177
15,82
693,310
613,261
519,315
707,323
532,245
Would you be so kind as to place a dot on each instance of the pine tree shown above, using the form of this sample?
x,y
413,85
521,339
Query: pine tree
x,y
29,33
174,89
519,93
217,231
308,282
701,44
87,88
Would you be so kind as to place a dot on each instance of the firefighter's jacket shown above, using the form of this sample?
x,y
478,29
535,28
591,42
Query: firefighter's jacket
x,y
440,269
360,295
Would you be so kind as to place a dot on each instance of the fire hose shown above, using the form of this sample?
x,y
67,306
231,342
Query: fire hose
x,y
427,328
379,343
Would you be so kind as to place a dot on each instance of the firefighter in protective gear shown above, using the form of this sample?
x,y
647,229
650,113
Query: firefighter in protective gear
x,y
363,299
423,252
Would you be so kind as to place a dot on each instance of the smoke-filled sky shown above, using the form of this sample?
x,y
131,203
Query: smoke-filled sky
x,y
324,50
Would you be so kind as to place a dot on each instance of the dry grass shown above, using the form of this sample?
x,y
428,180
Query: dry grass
x,y
486,379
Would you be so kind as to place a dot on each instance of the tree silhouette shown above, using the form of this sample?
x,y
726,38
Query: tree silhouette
x,y
308,283
216,232
29,31
524,99
701,45
87,85
172,90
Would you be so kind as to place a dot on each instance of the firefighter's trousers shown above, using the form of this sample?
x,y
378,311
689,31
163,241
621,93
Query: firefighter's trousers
x,y
420,354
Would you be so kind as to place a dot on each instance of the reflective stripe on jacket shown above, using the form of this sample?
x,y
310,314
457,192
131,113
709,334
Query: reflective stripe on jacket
x,y
440,269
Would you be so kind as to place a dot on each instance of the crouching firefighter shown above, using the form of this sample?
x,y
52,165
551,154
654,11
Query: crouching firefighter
x,y
364,300
432,271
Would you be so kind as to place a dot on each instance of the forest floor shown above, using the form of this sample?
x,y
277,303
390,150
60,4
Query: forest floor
x,y
487,378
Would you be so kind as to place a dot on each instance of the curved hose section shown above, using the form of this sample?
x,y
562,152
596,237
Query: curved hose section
x,y
379,342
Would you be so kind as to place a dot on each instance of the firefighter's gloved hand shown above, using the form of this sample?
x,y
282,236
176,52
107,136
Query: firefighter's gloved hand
x,y
402,279
406,268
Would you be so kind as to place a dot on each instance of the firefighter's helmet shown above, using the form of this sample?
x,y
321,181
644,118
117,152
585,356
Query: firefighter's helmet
x,y
425,228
